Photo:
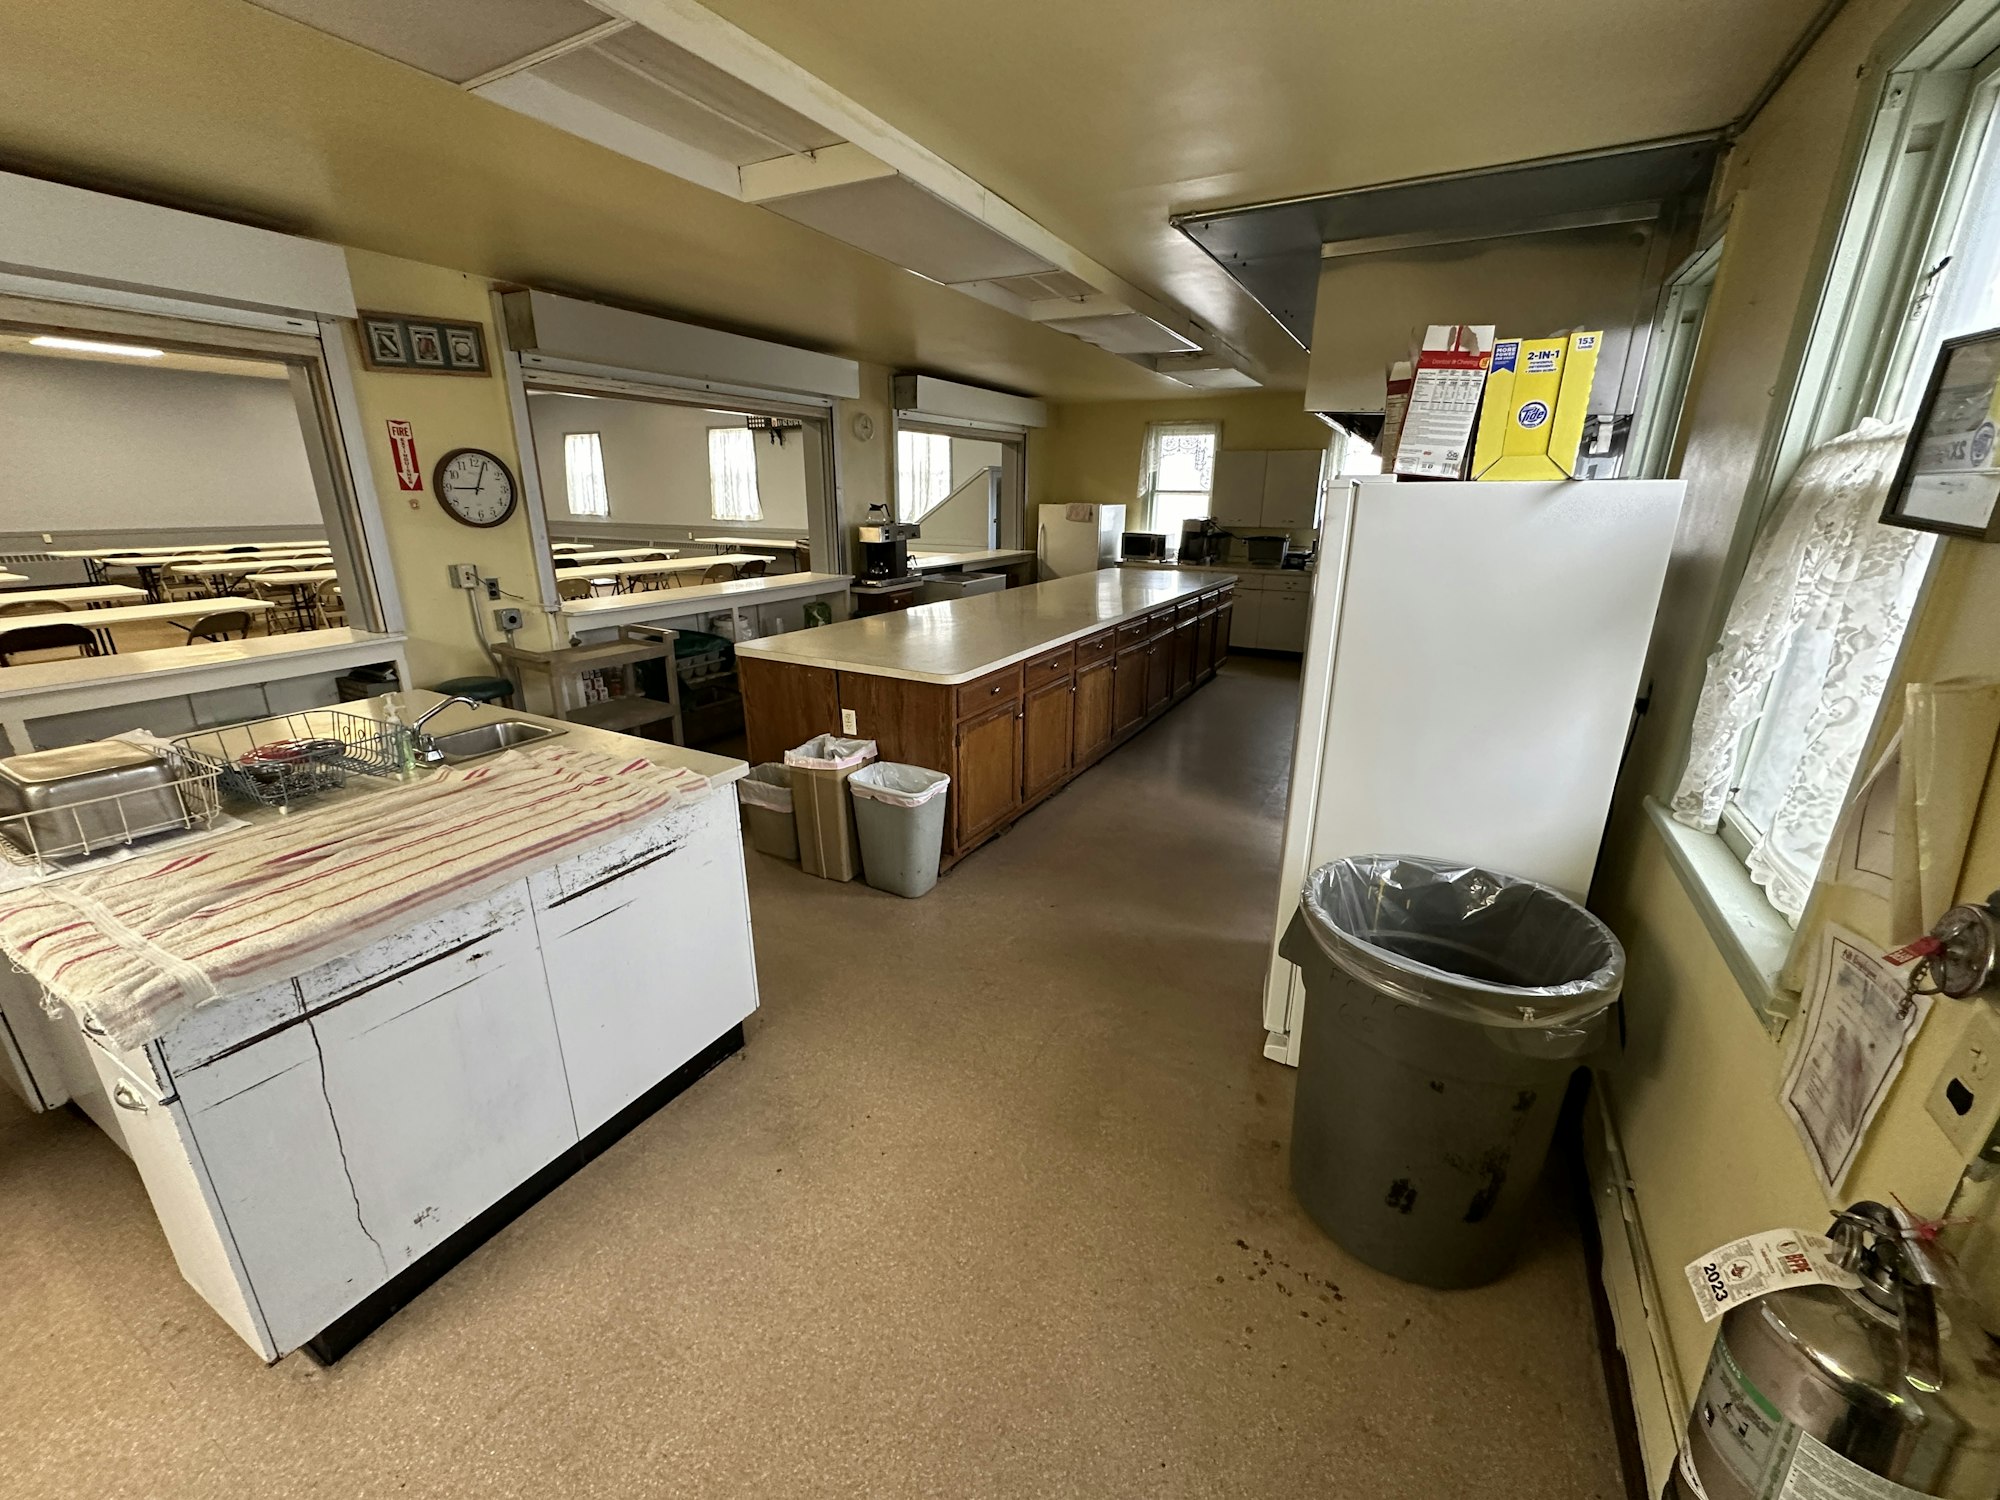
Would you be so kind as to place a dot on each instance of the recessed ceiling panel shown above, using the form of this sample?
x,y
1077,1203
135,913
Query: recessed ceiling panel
x,y
894,218
456,40
650,81
1123,333
1048,284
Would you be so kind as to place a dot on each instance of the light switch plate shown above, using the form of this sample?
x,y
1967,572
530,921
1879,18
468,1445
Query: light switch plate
x,y
1965,1099
847,722
463,575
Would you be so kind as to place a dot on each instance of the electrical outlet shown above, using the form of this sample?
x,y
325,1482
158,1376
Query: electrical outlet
x,y
492,588
508,618
464,575
847,722
1965,1100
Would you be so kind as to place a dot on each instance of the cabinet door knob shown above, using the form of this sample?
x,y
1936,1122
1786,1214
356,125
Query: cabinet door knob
x,y
126,1097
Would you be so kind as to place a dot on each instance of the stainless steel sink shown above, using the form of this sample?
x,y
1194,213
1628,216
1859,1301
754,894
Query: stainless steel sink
x,y
489,739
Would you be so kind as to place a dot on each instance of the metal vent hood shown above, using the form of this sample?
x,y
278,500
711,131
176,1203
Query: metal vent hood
x,y
1274,250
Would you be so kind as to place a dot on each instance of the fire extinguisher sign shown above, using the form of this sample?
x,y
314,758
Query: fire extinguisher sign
x,y
403,449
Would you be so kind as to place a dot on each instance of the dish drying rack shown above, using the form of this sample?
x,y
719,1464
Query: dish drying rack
x,y
292,758
48,840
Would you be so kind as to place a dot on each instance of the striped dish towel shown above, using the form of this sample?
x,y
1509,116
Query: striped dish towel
x,y
136,946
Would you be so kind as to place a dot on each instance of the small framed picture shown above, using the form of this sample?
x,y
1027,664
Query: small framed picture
x,y
426,345
463,348
1949,479
382,340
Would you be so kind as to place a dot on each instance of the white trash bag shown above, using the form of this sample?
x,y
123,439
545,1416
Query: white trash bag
x,y
896,784
829,752
768,786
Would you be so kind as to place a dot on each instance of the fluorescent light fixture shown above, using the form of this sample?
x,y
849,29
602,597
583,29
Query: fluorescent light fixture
x,y
93,346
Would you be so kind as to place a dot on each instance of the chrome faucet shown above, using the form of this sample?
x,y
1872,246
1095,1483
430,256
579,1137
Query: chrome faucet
x,y
422,746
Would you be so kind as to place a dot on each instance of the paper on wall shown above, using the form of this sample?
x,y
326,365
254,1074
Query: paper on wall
x,y
1948,735
1864,843
1859,1021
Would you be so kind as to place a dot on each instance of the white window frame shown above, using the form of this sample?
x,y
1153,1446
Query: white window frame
x,y
1907,170
1656,446
730,435
1149,492
926,504
583,475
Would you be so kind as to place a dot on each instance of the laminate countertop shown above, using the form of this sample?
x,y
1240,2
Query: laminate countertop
x,y
960,639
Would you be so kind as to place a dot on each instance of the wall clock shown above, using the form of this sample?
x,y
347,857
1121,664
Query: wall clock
x,y
863,426
475,487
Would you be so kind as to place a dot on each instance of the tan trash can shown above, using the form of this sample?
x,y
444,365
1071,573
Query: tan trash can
x,y
825,819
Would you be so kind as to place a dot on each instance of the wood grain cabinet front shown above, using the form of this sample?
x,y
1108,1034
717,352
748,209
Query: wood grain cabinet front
x,y
1047,722
987,786
1133,663
1095,708
1159,672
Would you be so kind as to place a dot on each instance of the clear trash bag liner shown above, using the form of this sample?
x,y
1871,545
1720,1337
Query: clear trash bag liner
x,y
1471,944
829,752
897,784
768,786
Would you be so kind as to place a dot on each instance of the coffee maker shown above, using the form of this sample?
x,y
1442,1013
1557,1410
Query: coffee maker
x,y
885,555
1201,541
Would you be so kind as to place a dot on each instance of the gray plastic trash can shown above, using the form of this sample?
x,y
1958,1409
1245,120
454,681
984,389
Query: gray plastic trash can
x,y
1446,1008
766,794
899,813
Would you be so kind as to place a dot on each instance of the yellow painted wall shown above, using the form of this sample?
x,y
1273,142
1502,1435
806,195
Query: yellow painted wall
x,y
1089,452
444,412
1695,1093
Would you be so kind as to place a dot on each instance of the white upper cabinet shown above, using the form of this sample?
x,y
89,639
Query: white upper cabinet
x,y
1291,489
1260,489
1237,500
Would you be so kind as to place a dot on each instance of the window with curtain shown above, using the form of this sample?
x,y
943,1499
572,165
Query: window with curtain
x,y
923,473
1793,690
1177,474
583,474
732,475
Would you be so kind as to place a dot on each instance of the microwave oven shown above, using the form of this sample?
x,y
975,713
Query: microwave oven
x,y
1142,546
1266,551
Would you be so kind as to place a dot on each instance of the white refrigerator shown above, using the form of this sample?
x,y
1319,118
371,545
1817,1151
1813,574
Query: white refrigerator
x,y
1077,539
1473,655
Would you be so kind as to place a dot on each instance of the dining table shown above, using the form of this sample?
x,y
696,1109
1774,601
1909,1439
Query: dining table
x,y
100,621
86,594
623,572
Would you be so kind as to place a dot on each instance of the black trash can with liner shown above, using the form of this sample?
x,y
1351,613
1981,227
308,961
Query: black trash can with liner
x,y
1446,1007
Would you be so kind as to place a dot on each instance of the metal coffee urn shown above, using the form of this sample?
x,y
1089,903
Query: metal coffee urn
x,y
1883,1392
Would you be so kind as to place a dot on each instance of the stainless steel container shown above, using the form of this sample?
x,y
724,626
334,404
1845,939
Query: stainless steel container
x,y
1890,1389
80,798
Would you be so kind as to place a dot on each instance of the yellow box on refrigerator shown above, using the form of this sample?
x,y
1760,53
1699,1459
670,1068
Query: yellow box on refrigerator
x,y
1537,396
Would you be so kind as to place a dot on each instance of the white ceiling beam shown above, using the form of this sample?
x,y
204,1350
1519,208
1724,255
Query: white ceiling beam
x,y
544,54
729,47
829,167
557,106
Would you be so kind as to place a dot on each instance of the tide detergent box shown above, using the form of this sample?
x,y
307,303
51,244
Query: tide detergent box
x,y
1537,395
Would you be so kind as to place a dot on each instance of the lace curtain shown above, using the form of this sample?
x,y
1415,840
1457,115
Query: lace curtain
x,y
923,473
1804,659
732,475
1176,473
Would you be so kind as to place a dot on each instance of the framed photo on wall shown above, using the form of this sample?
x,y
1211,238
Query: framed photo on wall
x,y
1949,479
382,343
410,343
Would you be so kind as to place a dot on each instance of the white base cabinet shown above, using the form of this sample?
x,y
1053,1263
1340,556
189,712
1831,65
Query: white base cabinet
x,y
304,1144
1271,611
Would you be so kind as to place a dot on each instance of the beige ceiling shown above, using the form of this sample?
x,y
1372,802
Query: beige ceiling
x,y
221,106
1097,119
1100,119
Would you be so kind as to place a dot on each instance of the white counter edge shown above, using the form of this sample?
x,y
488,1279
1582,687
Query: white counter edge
x,y
771,649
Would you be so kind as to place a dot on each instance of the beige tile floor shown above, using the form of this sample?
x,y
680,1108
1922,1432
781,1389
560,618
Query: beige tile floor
x,y
994,1204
